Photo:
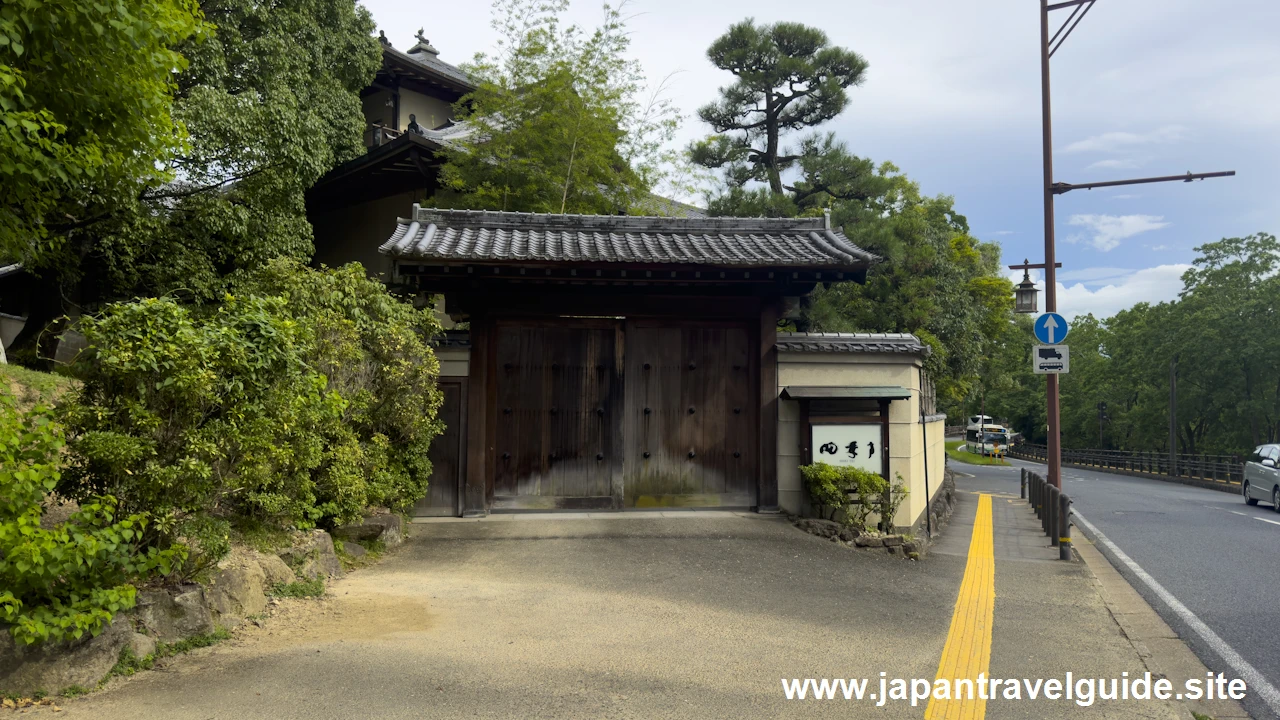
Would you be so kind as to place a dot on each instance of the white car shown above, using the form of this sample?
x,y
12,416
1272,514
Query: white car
x,y
1262,476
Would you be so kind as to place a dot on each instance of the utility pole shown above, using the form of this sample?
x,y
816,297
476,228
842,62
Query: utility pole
x,y
1173,416
1049,46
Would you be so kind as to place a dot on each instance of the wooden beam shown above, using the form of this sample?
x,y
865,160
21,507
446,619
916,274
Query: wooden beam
x,y
767,353
475,498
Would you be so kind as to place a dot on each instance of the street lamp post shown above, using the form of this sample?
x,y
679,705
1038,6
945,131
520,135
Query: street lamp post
x,y
1049,46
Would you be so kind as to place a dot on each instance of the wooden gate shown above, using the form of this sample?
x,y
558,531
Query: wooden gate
x,y
447,453
558,415
690,437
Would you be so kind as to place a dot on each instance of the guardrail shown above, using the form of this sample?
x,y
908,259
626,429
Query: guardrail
x,y
1053,507
1222,469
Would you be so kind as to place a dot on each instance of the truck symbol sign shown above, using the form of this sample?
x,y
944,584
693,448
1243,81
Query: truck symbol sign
x,y
1049,352
1051,359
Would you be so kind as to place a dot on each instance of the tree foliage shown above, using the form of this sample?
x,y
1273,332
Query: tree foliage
x,y
265,102
68,579
789,78
1224,333
935,280
301,401
560,121
85,110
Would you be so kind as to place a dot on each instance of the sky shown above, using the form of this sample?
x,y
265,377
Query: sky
x,y
952,97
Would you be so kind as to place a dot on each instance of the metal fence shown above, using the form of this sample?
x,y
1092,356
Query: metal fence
x,y
1214,468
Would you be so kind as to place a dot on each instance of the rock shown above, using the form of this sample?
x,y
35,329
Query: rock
x,y
238,588
54,667
354,549
869,541
174,614
387,529
142,645
892,540
915,548
849,534
312,556
275,571
893,549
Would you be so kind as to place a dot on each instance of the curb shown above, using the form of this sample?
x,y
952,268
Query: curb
x,y
1157,645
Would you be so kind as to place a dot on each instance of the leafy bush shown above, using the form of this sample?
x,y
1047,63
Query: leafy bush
x,y
373,349
301,400
851,494
299,588
61,582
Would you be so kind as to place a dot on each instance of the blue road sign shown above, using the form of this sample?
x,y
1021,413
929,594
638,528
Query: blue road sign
x,y
1051,328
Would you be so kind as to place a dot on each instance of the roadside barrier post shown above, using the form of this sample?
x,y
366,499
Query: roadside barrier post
x,y
1054,495
1064,533
1023,493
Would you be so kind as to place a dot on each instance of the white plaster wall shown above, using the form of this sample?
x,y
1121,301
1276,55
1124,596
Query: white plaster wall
x,y
907,437
454,362
432,112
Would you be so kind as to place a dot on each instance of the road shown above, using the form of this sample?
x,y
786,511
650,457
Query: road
x,y
1212,553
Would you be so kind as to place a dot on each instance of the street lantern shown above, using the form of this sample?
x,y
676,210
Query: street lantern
x,y
1024,297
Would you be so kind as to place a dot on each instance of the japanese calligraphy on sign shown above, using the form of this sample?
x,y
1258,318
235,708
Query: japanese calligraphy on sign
x,y
856,445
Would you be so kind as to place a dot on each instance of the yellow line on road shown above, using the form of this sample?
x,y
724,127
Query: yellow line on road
x,y
967,652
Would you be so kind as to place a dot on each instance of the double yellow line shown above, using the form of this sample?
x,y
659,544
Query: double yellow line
x,y
968,650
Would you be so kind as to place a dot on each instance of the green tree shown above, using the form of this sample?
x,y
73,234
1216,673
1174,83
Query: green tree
x,y
936,281
789,78
86,121
559,123
269,101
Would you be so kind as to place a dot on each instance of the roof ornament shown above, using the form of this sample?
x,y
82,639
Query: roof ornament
x,y
382,38
424,45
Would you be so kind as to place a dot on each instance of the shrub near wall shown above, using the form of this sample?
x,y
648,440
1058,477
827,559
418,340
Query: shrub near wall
x,y
301,400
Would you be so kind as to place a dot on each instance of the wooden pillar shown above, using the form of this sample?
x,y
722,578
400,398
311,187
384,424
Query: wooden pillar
x,y
475,500
767,491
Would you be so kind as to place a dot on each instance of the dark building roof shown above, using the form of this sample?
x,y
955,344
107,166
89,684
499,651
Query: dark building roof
x,y
851,343
479,236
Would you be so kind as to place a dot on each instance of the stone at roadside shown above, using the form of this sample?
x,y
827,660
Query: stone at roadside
x,y
869,541
174,614
142,645
312,556
354,549
892,540
275,571
387,529
237,588
54,667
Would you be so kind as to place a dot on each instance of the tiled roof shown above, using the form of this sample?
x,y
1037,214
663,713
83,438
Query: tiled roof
x,y
489,236
435,66
851,342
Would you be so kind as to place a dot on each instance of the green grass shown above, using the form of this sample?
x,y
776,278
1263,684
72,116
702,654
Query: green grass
x,y
955,453
33,386
299,588
1200,716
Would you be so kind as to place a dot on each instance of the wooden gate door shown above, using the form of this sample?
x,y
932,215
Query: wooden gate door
x,y
446,453
690,435
558,415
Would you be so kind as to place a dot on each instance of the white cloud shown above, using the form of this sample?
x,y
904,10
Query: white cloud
x,y
1152,285
1109,230
1125,196
1119,141
1157,248
1003,232
1114,164
1094,275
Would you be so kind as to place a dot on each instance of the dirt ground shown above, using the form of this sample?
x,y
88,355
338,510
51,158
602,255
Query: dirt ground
x,y
644,617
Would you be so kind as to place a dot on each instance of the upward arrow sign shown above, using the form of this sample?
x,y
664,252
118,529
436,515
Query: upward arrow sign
x,y
1051,326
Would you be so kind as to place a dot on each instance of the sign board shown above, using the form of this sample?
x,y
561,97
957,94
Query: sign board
x,y
857,445
1051,360
1051,328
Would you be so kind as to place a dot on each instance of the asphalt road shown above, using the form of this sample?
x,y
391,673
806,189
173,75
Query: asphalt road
x,y
1217,556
